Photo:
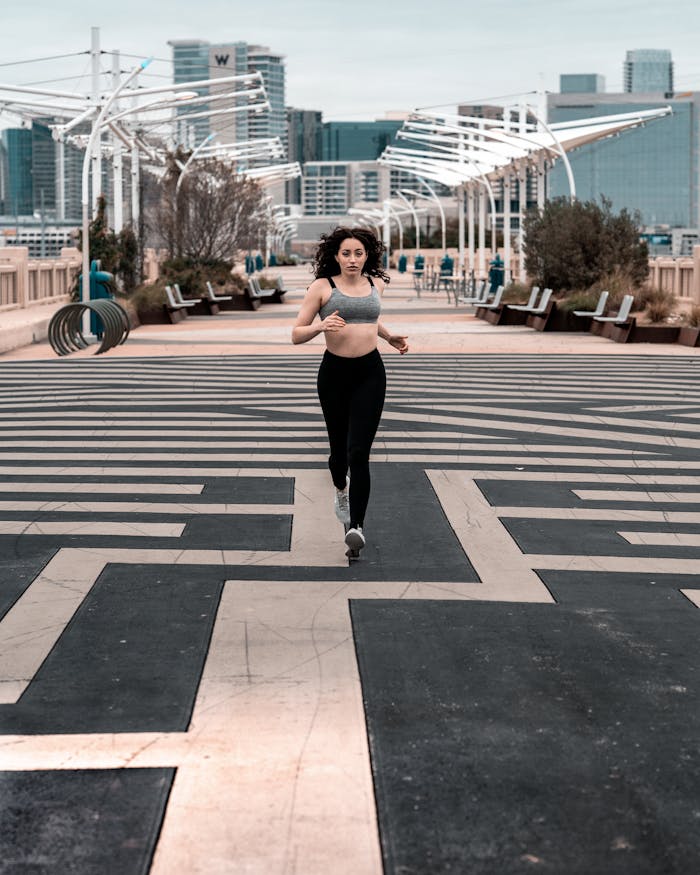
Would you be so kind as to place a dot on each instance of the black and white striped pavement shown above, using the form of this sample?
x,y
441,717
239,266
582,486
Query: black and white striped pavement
x,y
193,680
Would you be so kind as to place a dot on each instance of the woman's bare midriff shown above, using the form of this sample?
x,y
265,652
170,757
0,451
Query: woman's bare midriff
x,y
353,340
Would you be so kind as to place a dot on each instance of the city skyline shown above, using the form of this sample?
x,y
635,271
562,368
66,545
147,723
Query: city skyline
x,y
359,63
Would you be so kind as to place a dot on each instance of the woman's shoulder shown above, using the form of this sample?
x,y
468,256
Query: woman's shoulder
x,y
318,286
378,284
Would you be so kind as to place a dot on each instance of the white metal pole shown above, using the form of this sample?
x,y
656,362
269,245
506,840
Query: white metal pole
x,y
117,162
135,182
97,144
85,197
522,196
481,264
386,231
416,224
506,227
439,206
460,217
61,180
470,225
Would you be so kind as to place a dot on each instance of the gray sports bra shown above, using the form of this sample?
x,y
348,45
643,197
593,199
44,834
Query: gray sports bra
x,y
365,308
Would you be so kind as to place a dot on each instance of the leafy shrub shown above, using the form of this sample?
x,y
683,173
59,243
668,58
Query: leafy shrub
x,y
575,245
192,275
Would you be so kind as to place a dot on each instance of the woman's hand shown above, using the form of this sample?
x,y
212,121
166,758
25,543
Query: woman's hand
x,y
398,342
332,323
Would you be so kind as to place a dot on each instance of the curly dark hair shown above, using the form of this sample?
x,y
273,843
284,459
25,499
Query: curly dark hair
x,y
325,265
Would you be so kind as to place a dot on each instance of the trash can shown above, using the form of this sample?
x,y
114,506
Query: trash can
x,y
259,263
496,273
402,263
419,263
447,265
101,286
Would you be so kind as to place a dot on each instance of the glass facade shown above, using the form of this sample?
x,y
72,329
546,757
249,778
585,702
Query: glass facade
x,y
304,143
19,199
581,83
653,169
358,141
43,169
647,71
190,63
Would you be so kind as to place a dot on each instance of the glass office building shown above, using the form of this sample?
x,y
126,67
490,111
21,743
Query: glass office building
x,y
652,169
647,71
191,63
304,143
19,191
198,59
358,141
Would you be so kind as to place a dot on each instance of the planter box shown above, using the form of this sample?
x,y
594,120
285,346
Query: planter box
x,y
630,332
161,316
689,336
556,319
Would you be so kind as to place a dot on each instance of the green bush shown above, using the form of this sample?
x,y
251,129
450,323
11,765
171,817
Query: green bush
x,y
573,245
192,275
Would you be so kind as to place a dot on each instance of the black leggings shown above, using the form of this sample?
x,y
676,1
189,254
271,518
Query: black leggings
x,y
351,391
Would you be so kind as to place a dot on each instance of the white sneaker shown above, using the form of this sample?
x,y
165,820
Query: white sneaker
x,y
354,539
342,503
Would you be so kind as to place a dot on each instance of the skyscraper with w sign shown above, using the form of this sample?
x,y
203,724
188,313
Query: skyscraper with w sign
x,y
198,59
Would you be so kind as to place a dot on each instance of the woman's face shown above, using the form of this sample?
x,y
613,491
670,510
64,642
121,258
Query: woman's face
x,y
351,256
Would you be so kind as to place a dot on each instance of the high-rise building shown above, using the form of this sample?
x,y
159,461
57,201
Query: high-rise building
x,y
358,141
43,168
647,71
581,83
190,64
198,59
19,194
332,187
304,143
653,169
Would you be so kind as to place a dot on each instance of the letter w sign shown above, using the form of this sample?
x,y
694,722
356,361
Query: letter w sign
x,y
222,60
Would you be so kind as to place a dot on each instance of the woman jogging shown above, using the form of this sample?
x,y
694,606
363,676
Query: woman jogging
x,y
351,379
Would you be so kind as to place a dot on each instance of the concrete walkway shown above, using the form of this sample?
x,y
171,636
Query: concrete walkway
x,y
194,680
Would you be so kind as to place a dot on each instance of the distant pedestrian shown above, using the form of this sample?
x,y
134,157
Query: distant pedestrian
x,y
351,379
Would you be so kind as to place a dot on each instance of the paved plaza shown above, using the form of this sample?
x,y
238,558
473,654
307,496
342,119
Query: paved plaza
x,y
195,682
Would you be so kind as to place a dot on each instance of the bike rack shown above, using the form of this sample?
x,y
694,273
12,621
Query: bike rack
x,y
65,328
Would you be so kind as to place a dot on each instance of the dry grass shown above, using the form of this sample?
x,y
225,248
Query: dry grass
x,y
692,317
516,293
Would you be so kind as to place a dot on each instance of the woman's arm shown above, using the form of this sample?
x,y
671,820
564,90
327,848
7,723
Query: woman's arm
x,y
303,330
398,341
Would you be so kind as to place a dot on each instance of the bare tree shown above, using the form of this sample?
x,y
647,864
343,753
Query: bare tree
x,y
213,214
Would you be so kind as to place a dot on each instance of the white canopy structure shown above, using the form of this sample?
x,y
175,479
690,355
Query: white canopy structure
x,y
472,155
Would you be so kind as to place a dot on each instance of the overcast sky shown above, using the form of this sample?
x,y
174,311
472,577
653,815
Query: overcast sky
x,y
356,60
